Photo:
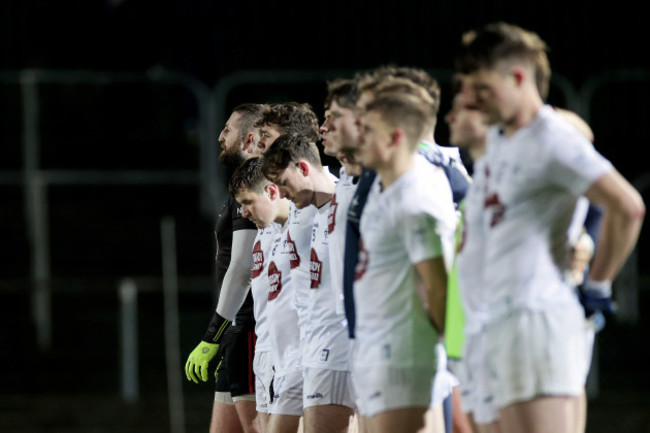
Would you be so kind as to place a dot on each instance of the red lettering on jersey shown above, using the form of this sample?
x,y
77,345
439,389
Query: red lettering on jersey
x,y
498,208
316,269
258,259
294,258
331,216
275,281
362,264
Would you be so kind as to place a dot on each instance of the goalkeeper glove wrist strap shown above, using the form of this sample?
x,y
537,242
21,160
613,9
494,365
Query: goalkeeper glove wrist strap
x,y
216,329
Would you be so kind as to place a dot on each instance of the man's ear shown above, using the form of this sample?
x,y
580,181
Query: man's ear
x,y
303,167
249,141
396,136
272,190
519,74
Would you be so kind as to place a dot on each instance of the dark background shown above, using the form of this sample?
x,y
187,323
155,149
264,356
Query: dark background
x,y
101,233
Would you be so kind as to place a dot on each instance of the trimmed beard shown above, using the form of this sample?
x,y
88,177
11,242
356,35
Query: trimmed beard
x,y
231,159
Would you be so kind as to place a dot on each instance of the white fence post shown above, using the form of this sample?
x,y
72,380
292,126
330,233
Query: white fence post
x,y
128,294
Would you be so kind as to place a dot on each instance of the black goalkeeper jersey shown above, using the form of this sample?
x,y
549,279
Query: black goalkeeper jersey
x,y
230,220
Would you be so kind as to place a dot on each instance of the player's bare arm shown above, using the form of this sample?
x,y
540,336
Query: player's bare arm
x,y
237,279
433,276
623,212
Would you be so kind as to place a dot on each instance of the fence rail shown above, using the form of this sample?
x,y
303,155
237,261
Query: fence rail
x,y
212,106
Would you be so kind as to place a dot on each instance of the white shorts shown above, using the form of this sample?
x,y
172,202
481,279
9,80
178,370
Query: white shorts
x,y
477,396
287,394
537,353
263,369
382,387
322,387
591,329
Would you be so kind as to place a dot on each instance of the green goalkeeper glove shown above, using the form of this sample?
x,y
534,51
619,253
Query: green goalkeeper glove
x,y
198,362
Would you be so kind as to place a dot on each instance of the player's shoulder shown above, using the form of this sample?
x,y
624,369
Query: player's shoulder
x,y
425,175
424,186
555,131
451,152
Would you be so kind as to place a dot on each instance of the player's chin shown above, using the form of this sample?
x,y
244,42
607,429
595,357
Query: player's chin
x,y
330,148
260,224
366,160
300,204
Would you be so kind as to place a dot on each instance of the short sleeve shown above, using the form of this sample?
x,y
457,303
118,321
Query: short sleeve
x,y
575,164
420,235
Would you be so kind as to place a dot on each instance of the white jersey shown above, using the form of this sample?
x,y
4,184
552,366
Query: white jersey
x,y
284,333
531,183
337,227
412,220
326,340
260,283
299,243
470,256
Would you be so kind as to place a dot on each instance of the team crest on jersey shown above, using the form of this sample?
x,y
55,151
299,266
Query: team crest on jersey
x,y
331,216
493,202
316,268
362,265
258,259
275,281
294,258
498,209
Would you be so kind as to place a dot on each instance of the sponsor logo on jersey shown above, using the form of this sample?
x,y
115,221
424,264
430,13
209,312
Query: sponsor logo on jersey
x,y
275,281
331,216
353,212
314,396
316,269
258,259
294,258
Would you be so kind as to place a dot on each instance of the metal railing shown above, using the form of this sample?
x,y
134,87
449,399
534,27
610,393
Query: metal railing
x,y
36,181
212,112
